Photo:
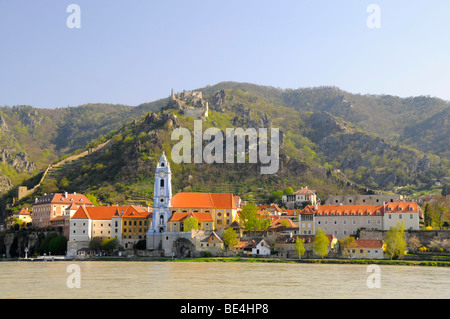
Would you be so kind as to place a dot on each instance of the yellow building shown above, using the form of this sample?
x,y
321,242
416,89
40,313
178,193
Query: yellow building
x,y
176,223
131,224
213,210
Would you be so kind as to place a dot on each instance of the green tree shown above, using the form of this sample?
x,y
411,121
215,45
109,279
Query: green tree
x,y
288,191
190,223
44,247
434,213
300,247
92,198
17,223
277,196
64,183
396,241
109,244
284,222
230,238
248,216
58,245
346,244
95,243
321,242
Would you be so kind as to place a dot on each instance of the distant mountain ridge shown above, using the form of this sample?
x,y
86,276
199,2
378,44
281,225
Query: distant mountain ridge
x,y
378,142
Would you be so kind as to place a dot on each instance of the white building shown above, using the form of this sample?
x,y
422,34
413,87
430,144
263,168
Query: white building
x,y
366,249
300,198
263,248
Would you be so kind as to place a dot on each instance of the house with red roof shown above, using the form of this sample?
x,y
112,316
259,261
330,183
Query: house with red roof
x,y
300,198
103,222
365,249
49,208
345,220
213,210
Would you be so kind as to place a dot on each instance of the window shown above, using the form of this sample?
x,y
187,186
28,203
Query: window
x,y
161,183
399,216
389,216
335,222
410,216
368,221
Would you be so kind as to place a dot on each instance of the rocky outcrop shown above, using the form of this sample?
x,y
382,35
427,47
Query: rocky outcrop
x,y
14,243
18,160
3,126
5,183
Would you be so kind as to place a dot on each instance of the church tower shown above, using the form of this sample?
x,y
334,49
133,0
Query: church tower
x,y
162,195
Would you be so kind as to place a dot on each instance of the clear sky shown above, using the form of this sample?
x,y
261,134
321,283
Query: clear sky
x,y
136,51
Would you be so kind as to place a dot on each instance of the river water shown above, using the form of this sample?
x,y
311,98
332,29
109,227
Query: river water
x,y
218,280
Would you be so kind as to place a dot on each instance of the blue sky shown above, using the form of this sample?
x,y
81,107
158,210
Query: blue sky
x,y
131,52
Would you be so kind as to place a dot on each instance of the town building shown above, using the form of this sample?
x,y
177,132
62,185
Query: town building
x,y
300,198
285,246
210,243
345,220
130,225
365,249
52,208
214,212
24,215
375,199
221,207
97,222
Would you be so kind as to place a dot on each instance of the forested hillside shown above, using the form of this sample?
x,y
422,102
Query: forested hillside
x,y
331,140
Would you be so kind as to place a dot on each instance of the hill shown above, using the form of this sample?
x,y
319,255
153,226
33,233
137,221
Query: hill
x,y
331,140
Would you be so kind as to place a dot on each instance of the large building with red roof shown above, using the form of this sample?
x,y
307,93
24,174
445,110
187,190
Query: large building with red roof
x,y
213,210
128,224
344,220
52,207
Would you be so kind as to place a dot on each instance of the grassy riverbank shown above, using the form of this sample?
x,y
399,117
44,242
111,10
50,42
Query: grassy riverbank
x,y
402,262
322,261
434,263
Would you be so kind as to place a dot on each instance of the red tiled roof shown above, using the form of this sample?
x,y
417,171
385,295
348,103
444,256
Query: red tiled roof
x,y
203,200
401,207
136,211
279,221
59,198
100,212
24,211
375,244
270,207
360,210
201,217
305,191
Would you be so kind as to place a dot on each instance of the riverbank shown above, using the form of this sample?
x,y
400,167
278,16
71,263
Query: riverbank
x,y
433,263
402,262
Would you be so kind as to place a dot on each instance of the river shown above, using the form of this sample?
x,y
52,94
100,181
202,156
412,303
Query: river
x,y
218,280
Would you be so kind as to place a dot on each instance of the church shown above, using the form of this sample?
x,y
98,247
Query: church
x,y
213,211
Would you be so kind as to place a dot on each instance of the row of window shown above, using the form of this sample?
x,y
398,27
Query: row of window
x,y
344,222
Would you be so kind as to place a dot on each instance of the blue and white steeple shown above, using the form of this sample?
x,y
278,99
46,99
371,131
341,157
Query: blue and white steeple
x,y
162,194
